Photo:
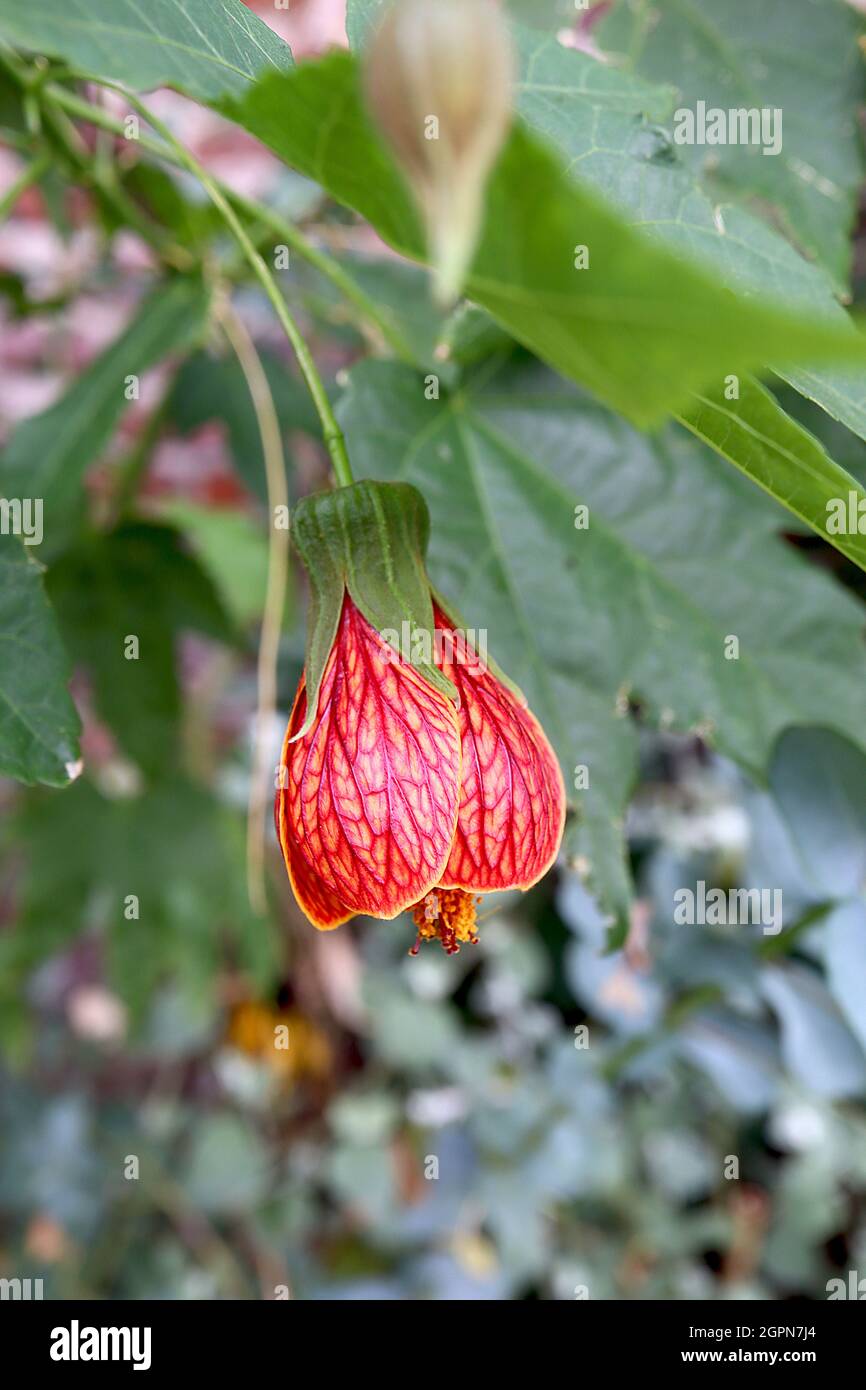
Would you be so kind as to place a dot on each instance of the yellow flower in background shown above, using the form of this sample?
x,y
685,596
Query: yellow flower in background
x,y
285,1041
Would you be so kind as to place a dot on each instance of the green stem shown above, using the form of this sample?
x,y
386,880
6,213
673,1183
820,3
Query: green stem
x,y
32,174
56,125
331,431
272,619
253,211
171,149
327,266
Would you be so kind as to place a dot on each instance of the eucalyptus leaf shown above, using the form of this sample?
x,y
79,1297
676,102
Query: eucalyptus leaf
x,y
368,540
818,781
845,953
817,1046
740,1057
228,1167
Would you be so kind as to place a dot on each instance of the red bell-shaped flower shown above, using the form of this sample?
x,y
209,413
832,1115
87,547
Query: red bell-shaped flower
x,y
395,794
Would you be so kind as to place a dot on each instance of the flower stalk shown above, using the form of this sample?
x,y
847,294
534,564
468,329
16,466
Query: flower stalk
x,y
404,785
331,432
278,567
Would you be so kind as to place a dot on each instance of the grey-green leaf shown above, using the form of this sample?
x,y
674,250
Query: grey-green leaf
x,y
676,558
818,781
791,57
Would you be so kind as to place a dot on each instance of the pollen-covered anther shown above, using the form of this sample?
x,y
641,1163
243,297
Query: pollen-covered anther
x,y
449,915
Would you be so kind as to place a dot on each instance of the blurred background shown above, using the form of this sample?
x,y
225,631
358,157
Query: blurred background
x,y
534,1118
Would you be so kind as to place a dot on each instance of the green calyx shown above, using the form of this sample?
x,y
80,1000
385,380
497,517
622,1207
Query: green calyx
x,y
458,622
369,539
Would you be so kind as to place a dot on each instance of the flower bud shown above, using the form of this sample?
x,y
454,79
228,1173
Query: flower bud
x,y
438,80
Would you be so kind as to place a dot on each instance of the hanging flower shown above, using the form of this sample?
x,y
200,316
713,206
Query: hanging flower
x,y
405,784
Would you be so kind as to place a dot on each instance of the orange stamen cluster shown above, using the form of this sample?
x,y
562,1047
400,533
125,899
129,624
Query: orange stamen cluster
x,y
449,914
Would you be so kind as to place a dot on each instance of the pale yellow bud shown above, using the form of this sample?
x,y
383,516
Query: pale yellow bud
x,y
439,78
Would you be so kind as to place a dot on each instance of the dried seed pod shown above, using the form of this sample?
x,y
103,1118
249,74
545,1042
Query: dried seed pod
x,y
438,79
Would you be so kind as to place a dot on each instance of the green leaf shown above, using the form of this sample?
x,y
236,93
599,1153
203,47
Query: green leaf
x,y
232,550
214,388
608,125
542,14
678,556
470,335
39,726
160,193
362,16
754,433
615,132
172,848
393,311
605,740
206,48
135,582
842,444
48,454
788,55
370,540
633,326
589,111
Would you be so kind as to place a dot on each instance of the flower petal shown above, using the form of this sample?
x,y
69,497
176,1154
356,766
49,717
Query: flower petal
x,y
512,797
322,907
370,802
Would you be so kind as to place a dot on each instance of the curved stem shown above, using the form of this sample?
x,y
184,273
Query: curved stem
x,y
272,621
331,431
254,211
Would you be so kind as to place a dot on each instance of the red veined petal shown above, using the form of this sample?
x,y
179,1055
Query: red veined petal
x,y
512,796
315,899
370,802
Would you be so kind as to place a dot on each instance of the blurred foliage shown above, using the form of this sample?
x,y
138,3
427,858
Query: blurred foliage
x,y
530,1118
597,1100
